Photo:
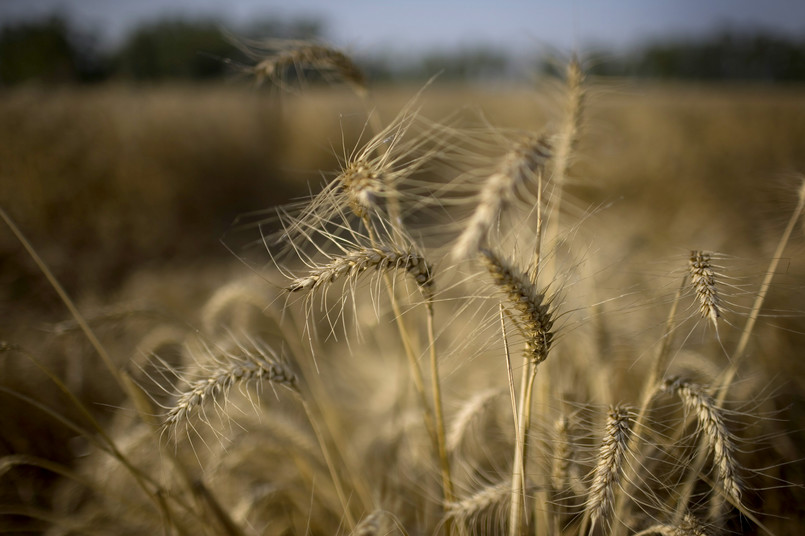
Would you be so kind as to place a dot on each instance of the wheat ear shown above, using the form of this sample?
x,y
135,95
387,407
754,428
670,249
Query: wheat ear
x,y
535,322
369,525
300,55
350,265
703,279
487,500
534,307
469,413
715,432
262,364
608,468
568,136
526,159
688,526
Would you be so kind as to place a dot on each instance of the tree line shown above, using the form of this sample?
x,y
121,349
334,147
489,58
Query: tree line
x,y
51,51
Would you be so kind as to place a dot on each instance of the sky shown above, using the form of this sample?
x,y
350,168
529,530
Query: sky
x,y
413,26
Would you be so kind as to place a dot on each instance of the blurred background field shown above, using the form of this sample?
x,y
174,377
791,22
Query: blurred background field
x,y
126,192
124,175
109,179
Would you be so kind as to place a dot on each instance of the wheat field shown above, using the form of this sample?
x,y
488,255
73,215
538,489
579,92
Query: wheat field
x,y
569,307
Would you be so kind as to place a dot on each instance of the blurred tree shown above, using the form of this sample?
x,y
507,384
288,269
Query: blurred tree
x,y
477,63
46,51
724,56
197,50
174,49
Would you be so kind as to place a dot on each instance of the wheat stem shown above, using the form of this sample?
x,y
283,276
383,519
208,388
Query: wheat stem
x,y
740,350
656,373
447,482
